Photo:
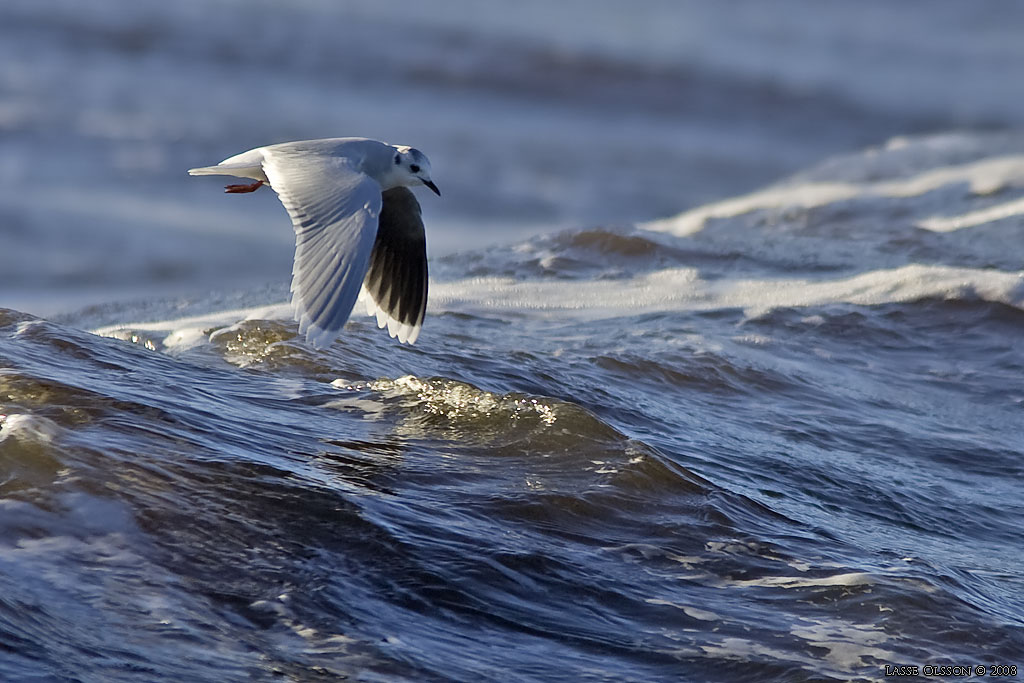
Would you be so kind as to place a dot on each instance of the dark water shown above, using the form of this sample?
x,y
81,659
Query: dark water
x,y
786,446
777,437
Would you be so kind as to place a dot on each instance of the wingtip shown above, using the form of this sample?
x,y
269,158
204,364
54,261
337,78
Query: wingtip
x,y
406,333
320,338
316,336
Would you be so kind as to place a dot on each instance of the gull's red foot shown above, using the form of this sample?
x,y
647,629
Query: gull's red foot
x,y
237,189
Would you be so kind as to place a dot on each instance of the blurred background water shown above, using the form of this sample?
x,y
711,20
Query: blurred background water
x,y
538,118
720,378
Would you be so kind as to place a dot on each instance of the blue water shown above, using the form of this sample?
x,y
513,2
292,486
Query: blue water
x,y
720,379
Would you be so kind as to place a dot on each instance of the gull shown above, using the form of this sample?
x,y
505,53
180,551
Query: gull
x,y
357,228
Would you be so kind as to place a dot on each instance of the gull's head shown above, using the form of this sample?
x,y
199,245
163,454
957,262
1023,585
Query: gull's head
x,y
411,168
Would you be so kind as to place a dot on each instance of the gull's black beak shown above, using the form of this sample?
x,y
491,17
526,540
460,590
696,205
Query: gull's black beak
x,y
432,186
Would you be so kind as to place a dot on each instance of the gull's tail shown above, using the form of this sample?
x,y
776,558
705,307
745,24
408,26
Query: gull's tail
x,y
237,170
209,170
245,165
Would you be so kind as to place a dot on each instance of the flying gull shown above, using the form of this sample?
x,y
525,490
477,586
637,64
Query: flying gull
x,y
357,226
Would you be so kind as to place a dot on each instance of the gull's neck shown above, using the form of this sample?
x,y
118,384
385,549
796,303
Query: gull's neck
x,y
377,160
392,177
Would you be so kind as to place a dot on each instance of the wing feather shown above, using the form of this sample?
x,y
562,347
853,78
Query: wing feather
x,y
334,210
396,280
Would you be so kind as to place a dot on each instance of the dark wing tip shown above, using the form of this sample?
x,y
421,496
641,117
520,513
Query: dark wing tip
x,y
397,277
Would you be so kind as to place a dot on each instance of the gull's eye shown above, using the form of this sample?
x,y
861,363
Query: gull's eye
x,y
414,168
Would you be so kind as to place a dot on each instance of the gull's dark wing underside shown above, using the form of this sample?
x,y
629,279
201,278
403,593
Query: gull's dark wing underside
x,y
396,280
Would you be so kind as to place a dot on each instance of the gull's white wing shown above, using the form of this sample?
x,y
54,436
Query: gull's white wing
x,y
334,210
396,282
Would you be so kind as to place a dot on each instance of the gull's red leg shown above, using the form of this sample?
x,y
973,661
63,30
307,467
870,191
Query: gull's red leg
x,y
238,189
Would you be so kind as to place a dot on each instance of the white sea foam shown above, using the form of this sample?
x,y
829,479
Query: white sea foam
x,y
682,289
184,333
981,177
847,579
459,400
972,218
26,427
673,289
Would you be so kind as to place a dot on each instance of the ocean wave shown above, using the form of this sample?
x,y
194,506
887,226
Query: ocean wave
x,y
244,340
682,289
548,437
981,177
344,526
184,333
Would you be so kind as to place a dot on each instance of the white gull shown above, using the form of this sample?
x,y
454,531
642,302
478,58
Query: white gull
x,y
357,226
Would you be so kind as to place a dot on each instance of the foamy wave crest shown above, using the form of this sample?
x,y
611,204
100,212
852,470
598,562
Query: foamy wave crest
x,y
245,341
29,428
180,334
982,177
682,289
453,399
